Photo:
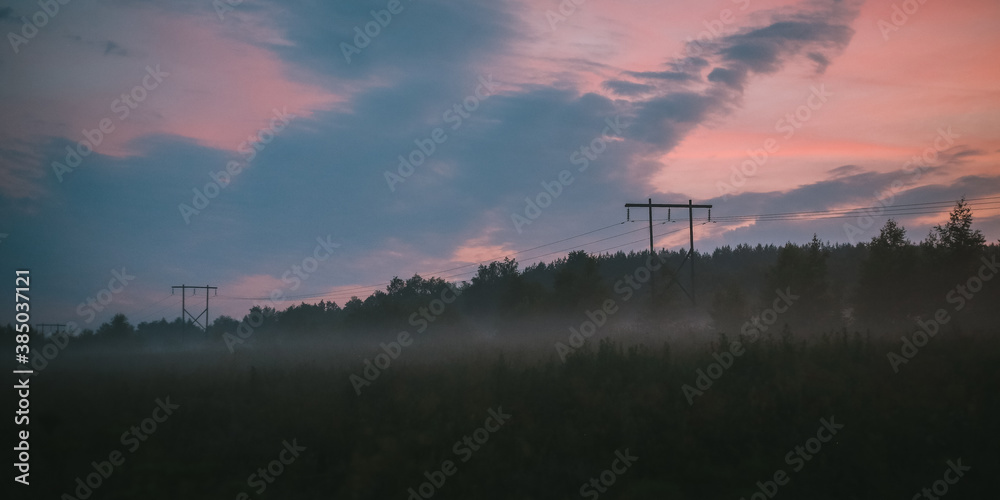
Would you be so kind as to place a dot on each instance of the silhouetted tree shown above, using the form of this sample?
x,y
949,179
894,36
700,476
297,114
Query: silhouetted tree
x,y
803,272
957,236
117,329
887,290
953,249
577,282
495,288
221,325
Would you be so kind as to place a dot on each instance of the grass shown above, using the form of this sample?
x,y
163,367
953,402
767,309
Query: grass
x,y
568,419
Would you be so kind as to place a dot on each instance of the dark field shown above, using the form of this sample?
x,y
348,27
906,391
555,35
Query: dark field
x,y
567,419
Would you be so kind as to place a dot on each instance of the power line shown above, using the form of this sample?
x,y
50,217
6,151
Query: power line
x,y
340,295
944,203
644,239
346,291
838,216
157,312
903,209
472,272
896,210
150,306
850,211
887,214
532,248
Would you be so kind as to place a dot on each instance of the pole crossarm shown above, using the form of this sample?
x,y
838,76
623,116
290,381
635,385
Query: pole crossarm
x,y
184,312
665,205
42,326
690,254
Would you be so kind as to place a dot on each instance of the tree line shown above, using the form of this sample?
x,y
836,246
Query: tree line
x,y
883,284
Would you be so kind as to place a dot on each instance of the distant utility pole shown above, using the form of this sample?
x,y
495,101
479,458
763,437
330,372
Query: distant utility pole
x,y
41,327
184,312
690,254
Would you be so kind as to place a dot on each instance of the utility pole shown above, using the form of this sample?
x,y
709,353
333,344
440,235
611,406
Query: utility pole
x,y
652,275
184,312
41,327
690,254
691,250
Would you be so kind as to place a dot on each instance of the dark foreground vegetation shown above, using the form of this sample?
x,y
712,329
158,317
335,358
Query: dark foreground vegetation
x,y
566,421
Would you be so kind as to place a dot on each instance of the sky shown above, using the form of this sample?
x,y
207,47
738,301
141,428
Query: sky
x,y
313,150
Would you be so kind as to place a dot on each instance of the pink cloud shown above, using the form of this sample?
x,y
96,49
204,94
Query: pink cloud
x,y
214,88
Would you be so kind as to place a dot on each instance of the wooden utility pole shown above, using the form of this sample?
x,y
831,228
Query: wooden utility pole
x,y
694,296
652,275
184,311
41,327
690,255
